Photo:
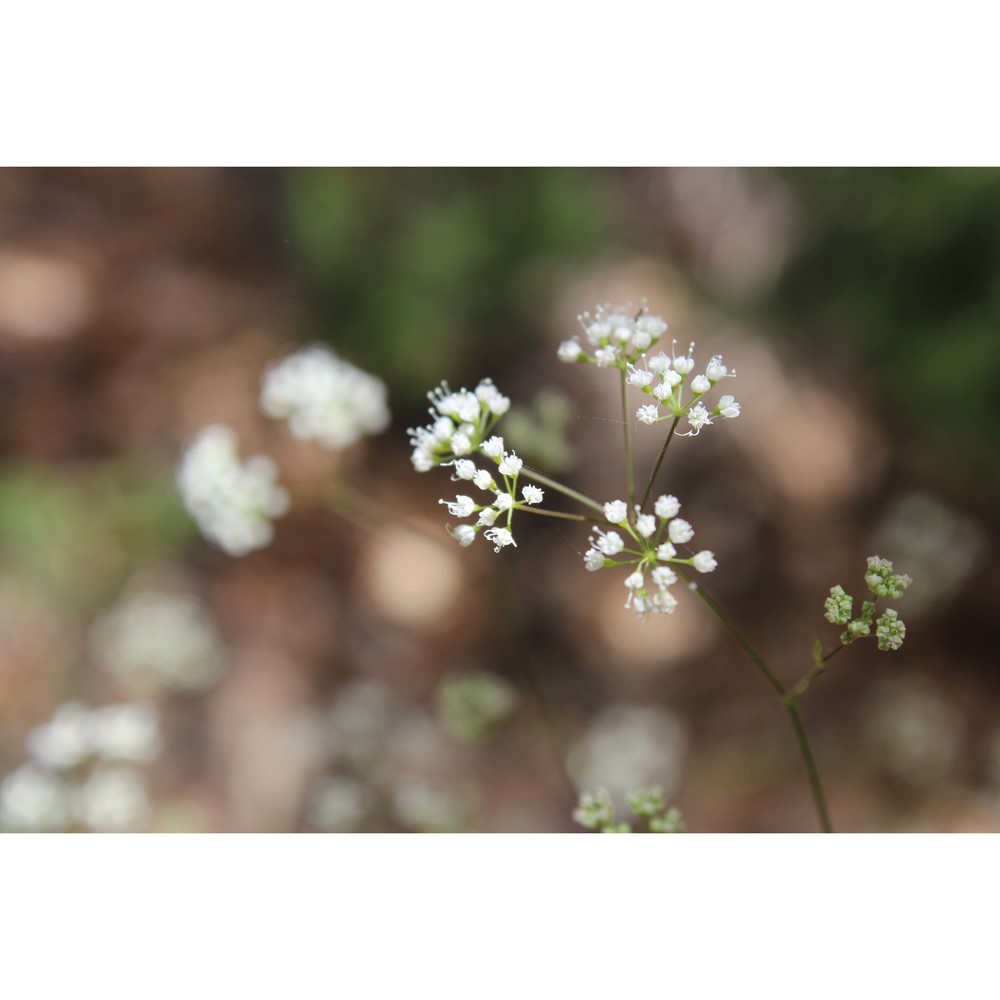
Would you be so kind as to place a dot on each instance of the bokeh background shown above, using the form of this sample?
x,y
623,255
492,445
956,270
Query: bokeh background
x,y
374,676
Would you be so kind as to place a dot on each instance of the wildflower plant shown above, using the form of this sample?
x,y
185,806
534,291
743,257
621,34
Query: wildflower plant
x,y
640,535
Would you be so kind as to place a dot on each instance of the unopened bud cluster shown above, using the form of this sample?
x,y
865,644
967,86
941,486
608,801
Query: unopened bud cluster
x,y
650,545
882,582
596,811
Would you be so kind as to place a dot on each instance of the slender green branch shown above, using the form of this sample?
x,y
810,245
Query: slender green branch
x,y
806,750
538,477
820,660
554,513
789,703
659,462
629,466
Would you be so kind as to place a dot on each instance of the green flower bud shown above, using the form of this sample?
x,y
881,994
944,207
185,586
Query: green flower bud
x,y
890,631
647,802
839,606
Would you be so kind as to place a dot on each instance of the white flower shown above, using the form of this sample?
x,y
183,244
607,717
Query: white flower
x,y
500,537
704,561
34,800
663,576
647,414
570,350
511,465
461,406
487,517
483,480
667,506
664,602
700,384
233,503
464,534
461,443
634,581
683,365
504,501
645,524
610,544
698,417
653,326
639,377
113,800
659,363
593,559
497,403
152,640
324,398
716,369
127,732
605,357
616,511
532,494
339,805
665,552
493,447
680,531
464,469
65,740
442,428
460,507
728,407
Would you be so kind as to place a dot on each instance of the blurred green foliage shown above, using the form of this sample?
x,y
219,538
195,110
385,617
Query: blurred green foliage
x,y
903,267
70,538
408,267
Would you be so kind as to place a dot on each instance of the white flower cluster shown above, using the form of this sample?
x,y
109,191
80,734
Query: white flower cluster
x,y
79,771
504,502
651,548
153,640
324,398
615,337
461,421
666,379
232,501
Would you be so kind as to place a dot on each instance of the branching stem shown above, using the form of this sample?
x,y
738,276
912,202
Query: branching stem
x,y
659,462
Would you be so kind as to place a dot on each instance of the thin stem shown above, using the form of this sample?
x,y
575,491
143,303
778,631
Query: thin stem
x,y
803,685
789,703
659,461
559,487
553,513
817,788
630,468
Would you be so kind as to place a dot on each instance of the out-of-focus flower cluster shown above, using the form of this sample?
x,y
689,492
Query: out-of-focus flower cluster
x,y
596,811
882,582
82,772
471,707
233,502
324,398
651,548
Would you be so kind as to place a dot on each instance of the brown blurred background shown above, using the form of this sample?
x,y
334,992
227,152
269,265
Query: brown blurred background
x,y
383,679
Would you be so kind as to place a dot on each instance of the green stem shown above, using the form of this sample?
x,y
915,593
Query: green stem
x,y
630,468
659,462
789,703
560,488
554,513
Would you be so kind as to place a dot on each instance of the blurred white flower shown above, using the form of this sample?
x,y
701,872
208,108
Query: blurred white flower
x,y
339,805
427,808
33,800
628,747
112,800
152,640
128,732
65,741
324,398
232,502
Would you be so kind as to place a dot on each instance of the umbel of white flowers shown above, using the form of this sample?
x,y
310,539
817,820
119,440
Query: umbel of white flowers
x,y
651,547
